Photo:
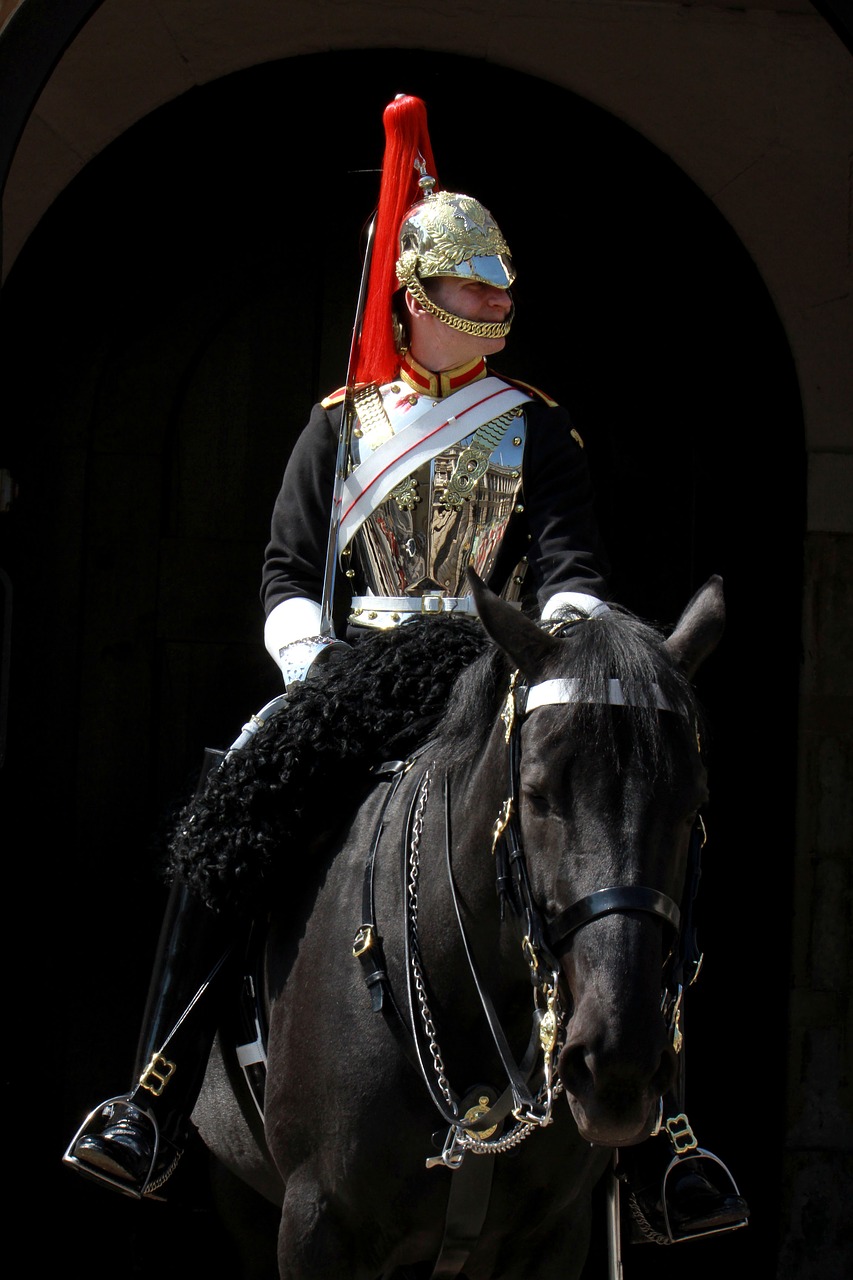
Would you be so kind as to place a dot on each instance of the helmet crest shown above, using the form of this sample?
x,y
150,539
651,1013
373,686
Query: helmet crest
x,y
422,232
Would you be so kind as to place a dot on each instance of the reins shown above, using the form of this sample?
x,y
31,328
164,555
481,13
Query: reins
x,y
412,1032
526,1107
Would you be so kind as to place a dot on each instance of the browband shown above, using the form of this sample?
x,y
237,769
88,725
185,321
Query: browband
x,y
555,692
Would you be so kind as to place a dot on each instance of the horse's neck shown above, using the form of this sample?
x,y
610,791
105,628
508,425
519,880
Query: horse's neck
x,y
473,794
479,786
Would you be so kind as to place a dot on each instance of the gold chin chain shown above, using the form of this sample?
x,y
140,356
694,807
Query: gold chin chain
x,y
479,328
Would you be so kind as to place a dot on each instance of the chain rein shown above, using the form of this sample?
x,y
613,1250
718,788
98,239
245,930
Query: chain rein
x,y
415,960
462,1137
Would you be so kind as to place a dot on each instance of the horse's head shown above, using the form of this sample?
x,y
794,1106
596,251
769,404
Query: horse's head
x,y
609,785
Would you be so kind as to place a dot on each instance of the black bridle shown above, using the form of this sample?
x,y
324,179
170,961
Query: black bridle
x,y
553,936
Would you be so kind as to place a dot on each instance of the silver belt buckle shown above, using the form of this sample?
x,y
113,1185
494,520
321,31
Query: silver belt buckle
x,y
432,604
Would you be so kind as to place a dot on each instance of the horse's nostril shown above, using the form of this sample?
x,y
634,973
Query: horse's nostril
x,y
573,1070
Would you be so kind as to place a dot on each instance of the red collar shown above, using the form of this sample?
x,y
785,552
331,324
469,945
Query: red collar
x,y
441,384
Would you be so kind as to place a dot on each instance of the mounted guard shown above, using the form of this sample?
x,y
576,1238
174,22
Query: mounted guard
x,y
424,465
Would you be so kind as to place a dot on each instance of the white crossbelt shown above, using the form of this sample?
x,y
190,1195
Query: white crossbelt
x,y
441,427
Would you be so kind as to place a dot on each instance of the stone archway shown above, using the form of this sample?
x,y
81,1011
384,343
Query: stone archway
x,y
173,292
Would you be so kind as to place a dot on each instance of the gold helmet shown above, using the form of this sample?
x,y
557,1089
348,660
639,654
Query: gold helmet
x,y
449,234
422,233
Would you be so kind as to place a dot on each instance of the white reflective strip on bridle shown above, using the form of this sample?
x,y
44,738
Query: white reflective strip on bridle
x,y
556,692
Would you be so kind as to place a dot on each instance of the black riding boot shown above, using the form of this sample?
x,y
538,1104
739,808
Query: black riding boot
x,y
133,1142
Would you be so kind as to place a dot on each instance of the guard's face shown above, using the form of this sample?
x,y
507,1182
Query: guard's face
x,y
439,346
471,299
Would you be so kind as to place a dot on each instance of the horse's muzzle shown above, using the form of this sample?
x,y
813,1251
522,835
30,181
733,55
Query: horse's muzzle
x,y
614,1098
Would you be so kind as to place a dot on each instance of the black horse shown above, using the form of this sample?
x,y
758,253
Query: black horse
x,y
497,927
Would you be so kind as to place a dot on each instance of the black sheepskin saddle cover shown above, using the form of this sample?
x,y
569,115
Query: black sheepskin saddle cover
x,y
302,775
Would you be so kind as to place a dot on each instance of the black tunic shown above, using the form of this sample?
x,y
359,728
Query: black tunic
x,y
556,530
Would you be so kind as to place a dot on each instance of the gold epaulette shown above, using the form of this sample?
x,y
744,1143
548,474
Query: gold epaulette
x,y
534,391
540,395
335,398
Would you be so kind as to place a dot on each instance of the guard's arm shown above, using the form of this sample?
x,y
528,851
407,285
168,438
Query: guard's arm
x,y
568,566
292,580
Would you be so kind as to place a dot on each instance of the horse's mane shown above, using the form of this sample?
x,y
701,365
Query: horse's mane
x,y
265,812
615,644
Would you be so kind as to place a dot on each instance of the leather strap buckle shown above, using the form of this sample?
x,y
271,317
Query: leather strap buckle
x,y
157,1074
364,940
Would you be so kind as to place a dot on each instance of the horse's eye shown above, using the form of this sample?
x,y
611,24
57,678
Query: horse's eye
x,y
536,799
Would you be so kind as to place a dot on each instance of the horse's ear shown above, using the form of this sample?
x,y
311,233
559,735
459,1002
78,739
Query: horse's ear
x,y
699,628
525,643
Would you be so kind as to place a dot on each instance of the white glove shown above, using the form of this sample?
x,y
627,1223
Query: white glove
x,y
292,638
578,601
300,658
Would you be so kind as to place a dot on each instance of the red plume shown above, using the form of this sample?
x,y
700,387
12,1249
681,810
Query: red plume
x,y
406,140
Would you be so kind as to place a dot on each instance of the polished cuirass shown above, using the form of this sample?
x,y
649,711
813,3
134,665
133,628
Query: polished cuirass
x,y
449,512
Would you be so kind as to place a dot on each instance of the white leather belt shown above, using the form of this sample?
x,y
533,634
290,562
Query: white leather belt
x,y
366,610
390,611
